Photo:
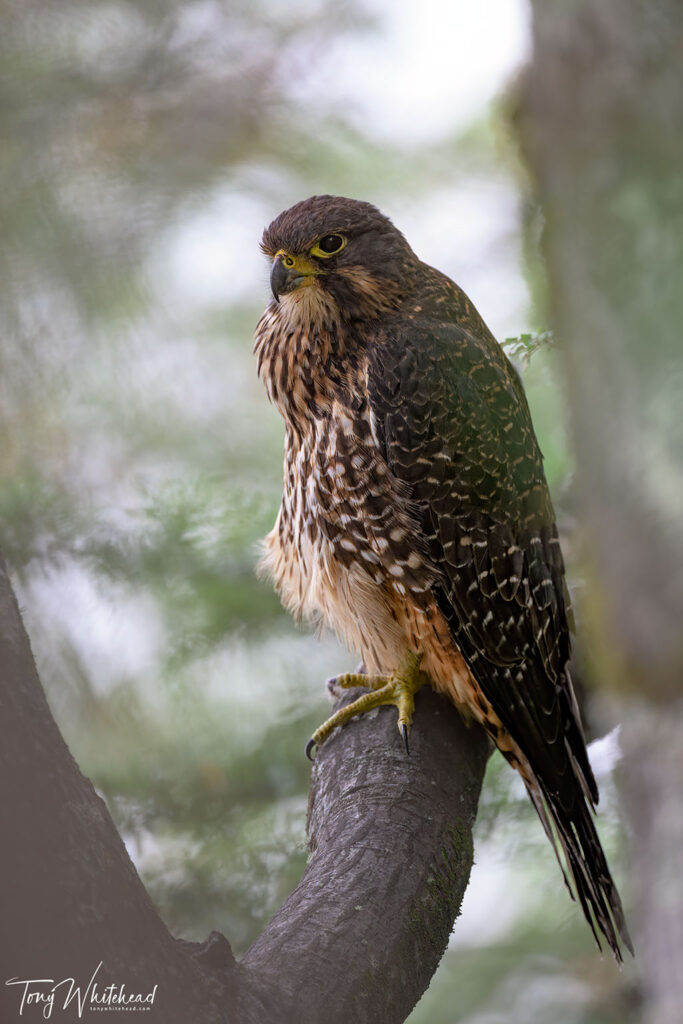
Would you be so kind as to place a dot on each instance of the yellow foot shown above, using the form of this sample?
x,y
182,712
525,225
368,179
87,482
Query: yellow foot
x,y
398,689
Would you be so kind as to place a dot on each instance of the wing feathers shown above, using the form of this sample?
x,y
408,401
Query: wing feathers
x,y
457,430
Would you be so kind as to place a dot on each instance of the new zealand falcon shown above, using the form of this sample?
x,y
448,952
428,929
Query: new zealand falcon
x,y
416,520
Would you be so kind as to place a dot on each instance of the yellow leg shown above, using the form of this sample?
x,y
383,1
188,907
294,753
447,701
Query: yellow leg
x,y
398,689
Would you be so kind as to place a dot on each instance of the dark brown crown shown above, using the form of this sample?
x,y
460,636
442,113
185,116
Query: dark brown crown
x,y
297,228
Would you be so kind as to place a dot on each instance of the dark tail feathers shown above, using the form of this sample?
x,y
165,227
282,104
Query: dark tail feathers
x,y
590,875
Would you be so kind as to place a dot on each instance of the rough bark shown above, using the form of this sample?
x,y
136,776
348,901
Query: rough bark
x,y
391,852
601,121
359,939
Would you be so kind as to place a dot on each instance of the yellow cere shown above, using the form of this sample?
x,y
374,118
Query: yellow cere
x,y
300,264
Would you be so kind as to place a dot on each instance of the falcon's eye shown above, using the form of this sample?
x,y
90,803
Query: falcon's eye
x,y
328,245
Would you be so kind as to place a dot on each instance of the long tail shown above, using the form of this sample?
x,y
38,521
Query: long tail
x,y
535,723
590,876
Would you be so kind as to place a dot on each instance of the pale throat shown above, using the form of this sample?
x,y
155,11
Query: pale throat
x,y
307,308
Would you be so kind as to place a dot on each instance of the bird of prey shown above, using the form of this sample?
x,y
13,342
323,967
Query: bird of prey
x,y
416,520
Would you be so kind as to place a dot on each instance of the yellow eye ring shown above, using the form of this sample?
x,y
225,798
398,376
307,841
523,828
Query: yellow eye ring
x,y
328,245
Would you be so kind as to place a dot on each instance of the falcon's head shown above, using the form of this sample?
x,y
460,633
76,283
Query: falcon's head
x,y
343,248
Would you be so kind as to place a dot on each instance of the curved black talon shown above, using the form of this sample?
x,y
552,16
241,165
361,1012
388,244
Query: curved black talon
x,y
309,748
403,729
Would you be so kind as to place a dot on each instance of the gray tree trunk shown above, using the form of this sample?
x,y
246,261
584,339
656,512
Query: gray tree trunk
x,y
359,939
601,123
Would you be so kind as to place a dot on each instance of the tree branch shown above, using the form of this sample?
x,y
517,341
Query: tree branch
x,y
391,851
360,937
69,893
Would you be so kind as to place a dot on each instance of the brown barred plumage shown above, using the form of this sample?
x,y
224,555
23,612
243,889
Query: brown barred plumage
x,y
415,515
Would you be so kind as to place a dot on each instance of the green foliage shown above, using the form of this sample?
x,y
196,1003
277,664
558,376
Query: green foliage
x,y
524,345
512,982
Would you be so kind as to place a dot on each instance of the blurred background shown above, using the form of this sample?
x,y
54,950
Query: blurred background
x,y
144,147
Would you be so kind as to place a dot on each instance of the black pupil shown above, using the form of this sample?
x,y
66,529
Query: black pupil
x,y
330,243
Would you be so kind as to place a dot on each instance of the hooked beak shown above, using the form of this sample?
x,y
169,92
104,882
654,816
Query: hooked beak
x,y
290,272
